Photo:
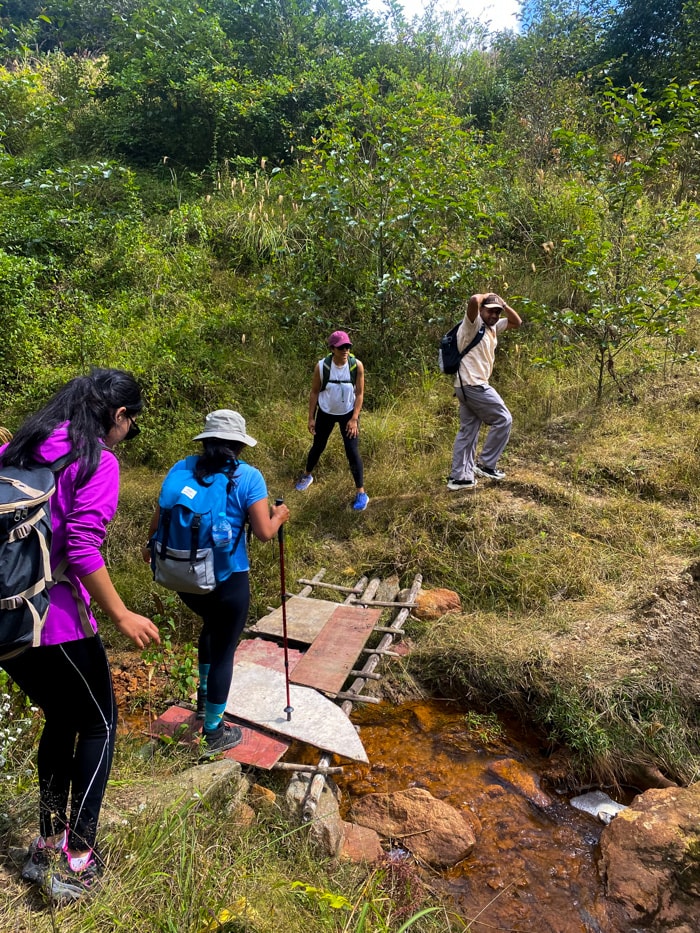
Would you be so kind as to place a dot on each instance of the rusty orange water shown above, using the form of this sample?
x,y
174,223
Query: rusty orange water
x,y
533,868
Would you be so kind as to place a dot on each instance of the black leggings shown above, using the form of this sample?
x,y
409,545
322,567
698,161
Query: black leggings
x,y
72,684
324,425
224,612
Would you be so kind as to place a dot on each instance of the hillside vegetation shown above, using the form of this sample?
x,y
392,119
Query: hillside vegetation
x,y
201,194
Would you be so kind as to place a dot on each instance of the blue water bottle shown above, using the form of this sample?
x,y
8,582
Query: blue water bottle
x,y
221,531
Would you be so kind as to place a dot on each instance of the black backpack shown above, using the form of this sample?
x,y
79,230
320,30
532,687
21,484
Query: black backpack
x,y
449,356
25,544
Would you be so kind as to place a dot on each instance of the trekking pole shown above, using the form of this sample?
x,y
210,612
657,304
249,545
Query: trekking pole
x,y
289,709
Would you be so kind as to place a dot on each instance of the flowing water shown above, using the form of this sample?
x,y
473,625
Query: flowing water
x,y
533,867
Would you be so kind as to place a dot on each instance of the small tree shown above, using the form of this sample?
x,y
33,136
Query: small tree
x,y
629,283
396,214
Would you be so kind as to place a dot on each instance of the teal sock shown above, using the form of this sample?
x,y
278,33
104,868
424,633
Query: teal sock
x,y
213,714
203,676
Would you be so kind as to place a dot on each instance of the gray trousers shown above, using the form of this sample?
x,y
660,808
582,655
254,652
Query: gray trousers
x,y
479,405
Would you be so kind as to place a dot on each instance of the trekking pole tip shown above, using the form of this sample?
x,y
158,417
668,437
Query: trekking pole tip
x,y
289,710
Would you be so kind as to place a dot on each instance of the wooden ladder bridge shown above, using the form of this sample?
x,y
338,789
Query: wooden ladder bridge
x,y
329,668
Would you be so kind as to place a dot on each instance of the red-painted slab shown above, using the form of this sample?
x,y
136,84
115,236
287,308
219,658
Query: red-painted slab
x,y
335,650
257,748
267,653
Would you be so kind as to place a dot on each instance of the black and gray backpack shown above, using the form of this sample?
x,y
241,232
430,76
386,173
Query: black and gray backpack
x,y
25,544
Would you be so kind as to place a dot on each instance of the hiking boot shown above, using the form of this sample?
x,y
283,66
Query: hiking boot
x,y
456,484
219,740
61,883
360,503
39,859
304,483
489,472
201,703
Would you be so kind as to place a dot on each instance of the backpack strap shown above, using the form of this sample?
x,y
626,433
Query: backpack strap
x,y
478,337
59,576
194,538
165,518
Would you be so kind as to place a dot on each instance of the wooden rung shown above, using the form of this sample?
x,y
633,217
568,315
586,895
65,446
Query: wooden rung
x,y
368,675
309,769
333,586
388,629
356,697
391,654
384,602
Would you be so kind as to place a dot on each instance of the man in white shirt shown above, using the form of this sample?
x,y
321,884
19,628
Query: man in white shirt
x,y
478,402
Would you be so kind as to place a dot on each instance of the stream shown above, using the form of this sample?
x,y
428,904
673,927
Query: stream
x,y
533,868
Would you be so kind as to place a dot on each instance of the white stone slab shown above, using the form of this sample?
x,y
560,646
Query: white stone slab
x,y
258,695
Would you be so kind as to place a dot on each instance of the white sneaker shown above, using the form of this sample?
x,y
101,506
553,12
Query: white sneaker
x,y
456,484
304,483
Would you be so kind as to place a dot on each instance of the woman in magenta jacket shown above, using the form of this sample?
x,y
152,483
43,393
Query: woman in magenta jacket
x,y
68,675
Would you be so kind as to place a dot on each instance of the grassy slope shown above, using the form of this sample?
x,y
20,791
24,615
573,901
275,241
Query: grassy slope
x,y
553,566
567,619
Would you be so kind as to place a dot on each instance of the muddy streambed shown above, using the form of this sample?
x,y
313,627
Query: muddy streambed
x,y
534,867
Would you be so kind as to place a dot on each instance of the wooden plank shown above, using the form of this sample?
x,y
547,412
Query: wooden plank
x,y
305,619
256,748
258,695
328,662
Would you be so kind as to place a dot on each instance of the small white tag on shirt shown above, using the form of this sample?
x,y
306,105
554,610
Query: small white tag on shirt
x,y
189,492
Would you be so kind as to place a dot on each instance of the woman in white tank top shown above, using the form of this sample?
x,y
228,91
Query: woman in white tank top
x,y
337,393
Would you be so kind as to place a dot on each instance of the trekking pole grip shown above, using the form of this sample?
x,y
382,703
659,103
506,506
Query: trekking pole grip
x,y
280,530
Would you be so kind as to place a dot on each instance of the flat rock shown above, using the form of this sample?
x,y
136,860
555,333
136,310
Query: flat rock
x,y
430,829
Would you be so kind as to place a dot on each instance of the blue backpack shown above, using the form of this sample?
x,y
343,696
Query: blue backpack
x,y
183,556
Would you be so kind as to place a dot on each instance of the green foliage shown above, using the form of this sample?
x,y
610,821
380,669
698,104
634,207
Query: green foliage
x,y
382,194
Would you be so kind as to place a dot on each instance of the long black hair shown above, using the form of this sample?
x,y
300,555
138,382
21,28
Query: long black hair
x,y
218,456
88,404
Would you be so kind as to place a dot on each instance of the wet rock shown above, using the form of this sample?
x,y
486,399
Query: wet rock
x,y
521,780
430,829
326,827
651,859
360,844
433,604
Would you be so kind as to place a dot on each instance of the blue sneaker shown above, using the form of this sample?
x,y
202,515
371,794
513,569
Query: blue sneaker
x,y
304,483
360,503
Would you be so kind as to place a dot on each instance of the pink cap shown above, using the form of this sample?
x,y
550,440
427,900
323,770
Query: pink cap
x,y
338,339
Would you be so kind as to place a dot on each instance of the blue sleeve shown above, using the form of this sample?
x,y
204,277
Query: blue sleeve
x,y
256,489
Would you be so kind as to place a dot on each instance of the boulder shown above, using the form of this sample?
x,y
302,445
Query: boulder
x,y
433,604
430,829
650,859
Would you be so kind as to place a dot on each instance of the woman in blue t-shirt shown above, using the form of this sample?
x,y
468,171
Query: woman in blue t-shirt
x,y
224,611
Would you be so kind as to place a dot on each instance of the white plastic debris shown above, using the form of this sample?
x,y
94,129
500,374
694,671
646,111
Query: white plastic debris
x,y
598,804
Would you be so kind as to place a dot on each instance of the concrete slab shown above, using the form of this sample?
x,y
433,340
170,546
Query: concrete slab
x,y
331,657
305,619
258,695
256,748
